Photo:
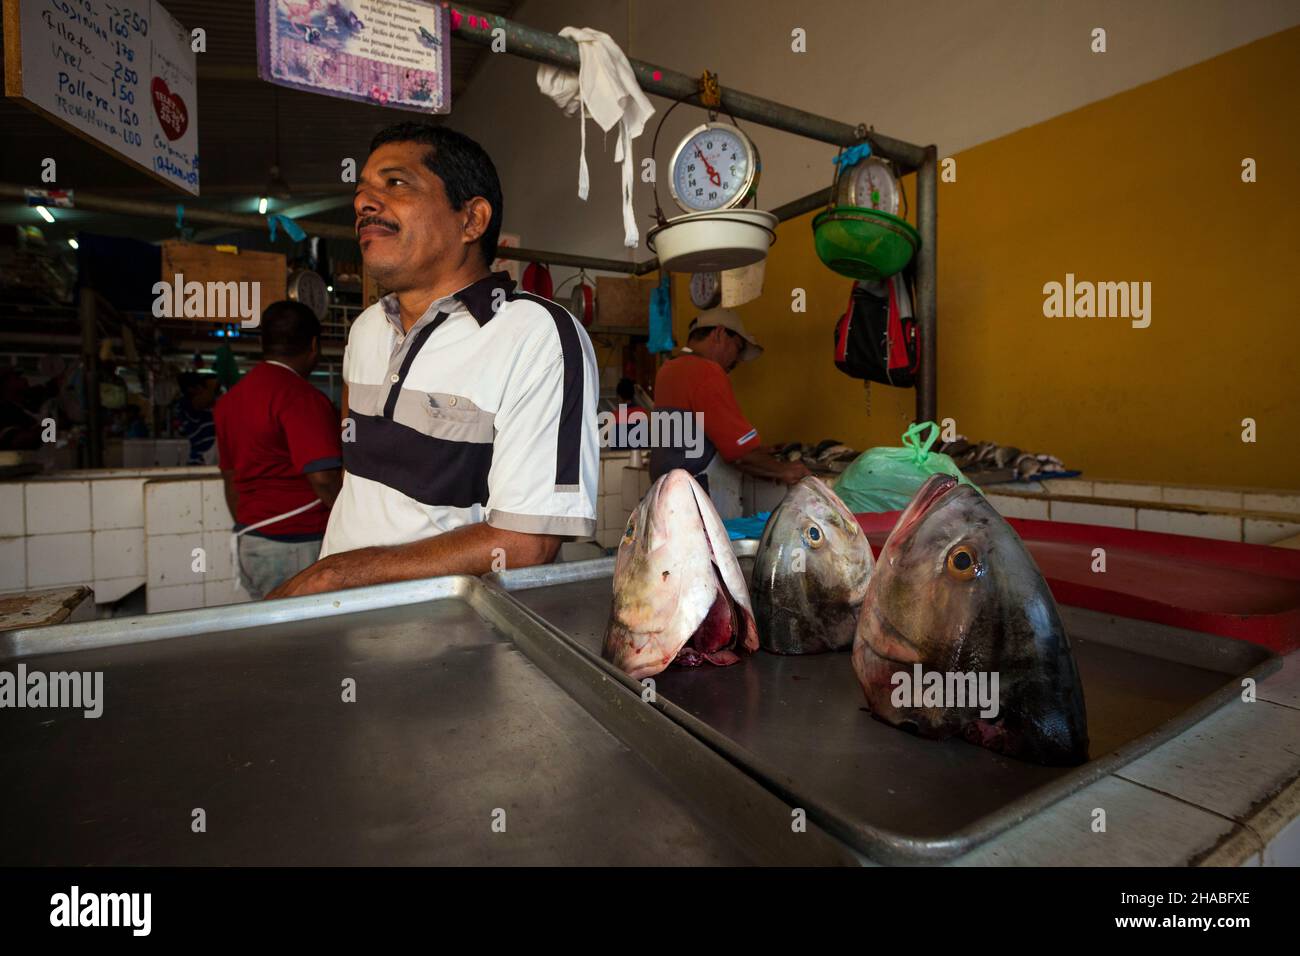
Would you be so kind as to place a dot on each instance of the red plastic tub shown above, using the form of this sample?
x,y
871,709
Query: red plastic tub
x,y
1246,591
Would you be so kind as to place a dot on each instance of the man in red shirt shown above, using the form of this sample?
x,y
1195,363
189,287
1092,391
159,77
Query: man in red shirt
x,y
696,381
278,440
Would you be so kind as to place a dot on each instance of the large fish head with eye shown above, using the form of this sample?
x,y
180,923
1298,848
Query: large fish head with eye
x,y
679,594
810,572
956,591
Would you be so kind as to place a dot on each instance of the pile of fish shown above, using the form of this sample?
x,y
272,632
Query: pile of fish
x,y
974,457
954,592
829,455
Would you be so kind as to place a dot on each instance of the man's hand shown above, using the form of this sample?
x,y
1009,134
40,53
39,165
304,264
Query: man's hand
x,y
472,549
792,472
762,464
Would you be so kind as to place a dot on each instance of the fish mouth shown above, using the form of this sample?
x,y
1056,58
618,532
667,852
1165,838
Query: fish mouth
x,y
932,492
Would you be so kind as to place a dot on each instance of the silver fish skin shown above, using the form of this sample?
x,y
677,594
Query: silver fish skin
x,y
679,593
955,590
810,573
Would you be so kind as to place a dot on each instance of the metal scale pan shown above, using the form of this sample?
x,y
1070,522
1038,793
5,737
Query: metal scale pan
x,y
799,724
464,706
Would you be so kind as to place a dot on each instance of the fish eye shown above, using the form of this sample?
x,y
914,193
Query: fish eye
x,y
630,531
814,536
963,563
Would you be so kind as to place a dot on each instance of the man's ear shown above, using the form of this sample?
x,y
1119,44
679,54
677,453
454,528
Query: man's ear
x,y
478,216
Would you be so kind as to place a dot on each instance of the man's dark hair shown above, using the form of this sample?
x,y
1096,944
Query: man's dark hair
x,y
189,381
626,389
287,328
465,168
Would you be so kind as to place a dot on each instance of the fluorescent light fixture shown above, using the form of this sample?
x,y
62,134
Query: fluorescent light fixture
x,y
261,206
73,243
45,214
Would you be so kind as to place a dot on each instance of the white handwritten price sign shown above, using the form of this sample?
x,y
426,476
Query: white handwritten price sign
x,y
119,73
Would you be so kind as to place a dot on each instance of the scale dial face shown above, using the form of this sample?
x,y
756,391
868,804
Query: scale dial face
x,y
871,184
706,289
308,288
714,167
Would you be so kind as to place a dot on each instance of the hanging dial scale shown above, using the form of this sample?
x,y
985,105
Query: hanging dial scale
x,y
869,183
715,167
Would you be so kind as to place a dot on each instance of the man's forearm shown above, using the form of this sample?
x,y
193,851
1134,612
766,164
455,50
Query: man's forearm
x,y
472,549
761,464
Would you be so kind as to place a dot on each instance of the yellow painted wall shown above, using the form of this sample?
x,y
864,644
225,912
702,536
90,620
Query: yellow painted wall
x,y
1144,186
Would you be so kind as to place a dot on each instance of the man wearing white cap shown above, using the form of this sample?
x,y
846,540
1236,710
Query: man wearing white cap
x,y
696,381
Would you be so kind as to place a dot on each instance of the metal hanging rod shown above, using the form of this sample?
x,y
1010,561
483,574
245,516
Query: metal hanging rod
x,y
542,47
532,44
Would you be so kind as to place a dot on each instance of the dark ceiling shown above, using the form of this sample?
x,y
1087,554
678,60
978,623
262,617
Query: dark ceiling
x,y
236,131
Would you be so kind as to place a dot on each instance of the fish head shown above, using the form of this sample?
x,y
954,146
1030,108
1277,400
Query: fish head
x,y
666,582
956,591
810,572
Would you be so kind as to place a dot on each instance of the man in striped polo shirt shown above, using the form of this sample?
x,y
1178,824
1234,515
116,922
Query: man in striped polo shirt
x,y
469,408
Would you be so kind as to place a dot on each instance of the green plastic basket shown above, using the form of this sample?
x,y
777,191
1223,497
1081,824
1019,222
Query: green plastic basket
x,y
864,243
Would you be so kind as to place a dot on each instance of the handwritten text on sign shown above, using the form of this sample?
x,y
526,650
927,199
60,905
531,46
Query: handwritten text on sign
x,y
120,72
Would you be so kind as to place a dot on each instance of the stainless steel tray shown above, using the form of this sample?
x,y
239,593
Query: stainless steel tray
x,y
465,704
799,724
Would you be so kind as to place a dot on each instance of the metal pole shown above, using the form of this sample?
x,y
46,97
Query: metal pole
x,y
543,47
927,217
90,377
568,259
818,199
161,210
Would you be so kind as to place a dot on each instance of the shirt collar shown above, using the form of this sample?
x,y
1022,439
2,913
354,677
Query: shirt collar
x,y
479,298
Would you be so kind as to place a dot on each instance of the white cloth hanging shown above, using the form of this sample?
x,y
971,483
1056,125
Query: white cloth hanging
x,y
605,87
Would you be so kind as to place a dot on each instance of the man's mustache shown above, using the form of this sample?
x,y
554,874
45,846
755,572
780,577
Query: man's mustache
x,y
376,221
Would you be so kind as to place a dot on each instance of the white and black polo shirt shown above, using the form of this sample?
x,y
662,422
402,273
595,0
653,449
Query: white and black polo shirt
x,y
486,409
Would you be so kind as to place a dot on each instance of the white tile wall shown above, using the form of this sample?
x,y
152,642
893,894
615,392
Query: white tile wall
x,y
217,593
114,589
117,503
57,507
629,490
1205,497
1111,516
173,507
13,564
119,554
1260,501
1258,531
170,560
1132,492
54,559
1018,506
611,470
614,515
1218,527
13,518
1068,486
767,495
217,546
180,597
216,516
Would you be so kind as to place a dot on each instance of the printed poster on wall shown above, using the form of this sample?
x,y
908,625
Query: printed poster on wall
x,y
120,74
386,52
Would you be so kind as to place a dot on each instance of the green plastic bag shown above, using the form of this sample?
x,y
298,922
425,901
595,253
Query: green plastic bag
x,y
886,479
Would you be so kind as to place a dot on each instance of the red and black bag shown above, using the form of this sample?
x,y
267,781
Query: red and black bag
x,y
876,337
